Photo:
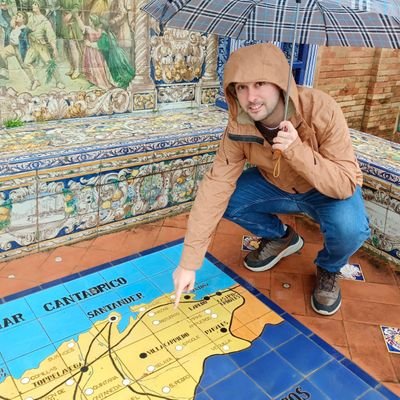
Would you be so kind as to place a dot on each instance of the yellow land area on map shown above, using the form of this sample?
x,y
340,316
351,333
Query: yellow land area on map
x,y
160,354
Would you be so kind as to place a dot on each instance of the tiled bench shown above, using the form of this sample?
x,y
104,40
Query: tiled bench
x,y
65,181
380,162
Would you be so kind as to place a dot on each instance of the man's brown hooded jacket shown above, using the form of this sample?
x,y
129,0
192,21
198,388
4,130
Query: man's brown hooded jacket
x,y
321,158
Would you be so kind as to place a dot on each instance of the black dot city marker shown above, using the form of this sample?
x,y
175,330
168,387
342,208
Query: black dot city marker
x,y
85,368
142,355
223,330
218,293
206,297
187,297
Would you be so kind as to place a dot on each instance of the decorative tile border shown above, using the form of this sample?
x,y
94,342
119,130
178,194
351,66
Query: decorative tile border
x,y
392,338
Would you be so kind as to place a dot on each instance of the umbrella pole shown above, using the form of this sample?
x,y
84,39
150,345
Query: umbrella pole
x,y
291,59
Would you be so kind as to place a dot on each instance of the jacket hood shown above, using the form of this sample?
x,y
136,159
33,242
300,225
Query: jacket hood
x,y
260,62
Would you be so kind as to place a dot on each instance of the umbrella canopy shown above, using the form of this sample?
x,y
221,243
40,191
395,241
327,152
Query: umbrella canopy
x,y
356,23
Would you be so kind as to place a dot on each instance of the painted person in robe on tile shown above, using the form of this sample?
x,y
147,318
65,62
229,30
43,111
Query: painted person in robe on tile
x,y
72,35
17,47
42,45
304,164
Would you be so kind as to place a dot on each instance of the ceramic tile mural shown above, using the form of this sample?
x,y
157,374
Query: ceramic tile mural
x,y
380,163
76,58
90,177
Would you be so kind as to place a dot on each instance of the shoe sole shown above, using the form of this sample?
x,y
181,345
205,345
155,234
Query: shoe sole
x,y
286,252
324,312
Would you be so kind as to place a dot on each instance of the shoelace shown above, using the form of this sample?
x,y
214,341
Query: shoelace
x,y
328,280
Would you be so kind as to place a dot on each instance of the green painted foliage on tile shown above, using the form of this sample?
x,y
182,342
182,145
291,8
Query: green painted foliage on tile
x,y
74,44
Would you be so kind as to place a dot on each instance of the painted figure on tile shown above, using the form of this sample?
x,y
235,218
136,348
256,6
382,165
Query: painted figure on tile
x,y
122,22
42,45
5,23
117,60
18,46
72,35
94,66
53,14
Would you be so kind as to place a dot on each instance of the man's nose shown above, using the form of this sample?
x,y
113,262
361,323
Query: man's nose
x,y
252,95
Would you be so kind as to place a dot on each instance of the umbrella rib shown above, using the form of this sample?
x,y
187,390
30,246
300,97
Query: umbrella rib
x,y
335,24
365,35
325,25
394,39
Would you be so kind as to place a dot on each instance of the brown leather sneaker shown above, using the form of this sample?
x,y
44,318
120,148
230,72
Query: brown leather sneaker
x,y
326,298
270,252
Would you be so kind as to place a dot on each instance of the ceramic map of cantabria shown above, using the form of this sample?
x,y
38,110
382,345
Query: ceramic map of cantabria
x,y
113,333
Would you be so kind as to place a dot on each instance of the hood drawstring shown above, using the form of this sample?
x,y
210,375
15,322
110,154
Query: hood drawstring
x,y
277,166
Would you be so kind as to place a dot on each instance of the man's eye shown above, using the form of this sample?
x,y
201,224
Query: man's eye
x,y
260,83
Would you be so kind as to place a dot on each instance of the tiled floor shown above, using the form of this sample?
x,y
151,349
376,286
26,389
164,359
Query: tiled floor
x,y
354,330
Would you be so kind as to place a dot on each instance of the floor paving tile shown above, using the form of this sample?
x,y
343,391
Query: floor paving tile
x,y
368,350
354,331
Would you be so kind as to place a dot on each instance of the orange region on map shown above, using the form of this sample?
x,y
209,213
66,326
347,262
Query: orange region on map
x,y
159,355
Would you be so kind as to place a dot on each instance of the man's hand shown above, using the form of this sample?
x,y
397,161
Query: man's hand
x,y
183,281
285,137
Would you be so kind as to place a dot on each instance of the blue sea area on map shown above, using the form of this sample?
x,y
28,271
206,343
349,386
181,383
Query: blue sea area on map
x,y
46,321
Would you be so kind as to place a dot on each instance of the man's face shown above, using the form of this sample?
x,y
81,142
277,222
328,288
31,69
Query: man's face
x,y
260,100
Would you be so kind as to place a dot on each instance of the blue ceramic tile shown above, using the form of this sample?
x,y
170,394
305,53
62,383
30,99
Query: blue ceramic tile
x,y
237,387
273,374
47,285
4,372
216,368
387,393
126,269
98,307
139,292
360,373
337,382
18,366
302,391
98,268
15,342
297,324
173,253
58,325
303,354
19,295
373,395
257,349
275,335
15,312
202,396
153,264
90,283
328,348
48,300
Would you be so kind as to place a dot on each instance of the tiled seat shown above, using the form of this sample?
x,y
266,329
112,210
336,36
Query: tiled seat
x,y
64,181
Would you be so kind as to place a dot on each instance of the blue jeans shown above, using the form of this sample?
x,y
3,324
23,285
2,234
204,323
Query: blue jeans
x,y
343,223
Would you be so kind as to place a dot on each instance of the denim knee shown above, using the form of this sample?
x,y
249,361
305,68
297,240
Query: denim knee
x,y
349,236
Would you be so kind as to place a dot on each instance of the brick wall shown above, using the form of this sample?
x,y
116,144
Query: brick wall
x,y
366,84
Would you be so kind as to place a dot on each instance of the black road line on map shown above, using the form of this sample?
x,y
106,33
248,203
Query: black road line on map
x,y
85,361
123,376
80,373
